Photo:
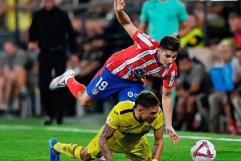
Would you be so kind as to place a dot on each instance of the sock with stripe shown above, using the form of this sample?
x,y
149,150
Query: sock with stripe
x,y
71,150
74,86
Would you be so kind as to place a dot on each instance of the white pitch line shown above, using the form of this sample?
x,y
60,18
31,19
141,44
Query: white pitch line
x,y
64,129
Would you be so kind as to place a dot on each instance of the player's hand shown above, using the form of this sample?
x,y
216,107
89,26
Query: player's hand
x,y
174,137
119,5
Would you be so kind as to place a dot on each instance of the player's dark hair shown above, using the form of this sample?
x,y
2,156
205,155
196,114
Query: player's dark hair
x,y
170,43
146,100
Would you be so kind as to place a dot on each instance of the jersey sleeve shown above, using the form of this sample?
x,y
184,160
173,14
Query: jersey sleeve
x,y
158,122
182,14
113,119
169,80
143,40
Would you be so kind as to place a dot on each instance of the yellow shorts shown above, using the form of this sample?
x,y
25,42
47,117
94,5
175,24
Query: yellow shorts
x,y
137,152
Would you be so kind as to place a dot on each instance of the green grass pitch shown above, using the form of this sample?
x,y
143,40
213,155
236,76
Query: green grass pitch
x,y
27,140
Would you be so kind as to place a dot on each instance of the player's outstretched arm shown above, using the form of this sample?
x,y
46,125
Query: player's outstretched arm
x,y
158,144
167,110
105,150
123,18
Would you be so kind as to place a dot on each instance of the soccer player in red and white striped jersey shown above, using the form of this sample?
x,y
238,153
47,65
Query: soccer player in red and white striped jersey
x,y
123,73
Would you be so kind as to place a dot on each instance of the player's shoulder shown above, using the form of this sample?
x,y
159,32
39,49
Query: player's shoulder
x,y
160,114
159,118
124,107
147,39
179,3
173,66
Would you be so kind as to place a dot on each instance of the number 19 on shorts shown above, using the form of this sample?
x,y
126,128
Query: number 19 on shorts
x,y
101,84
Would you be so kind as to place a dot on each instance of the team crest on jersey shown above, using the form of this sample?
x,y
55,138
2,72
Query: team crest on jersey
x,y
109,119
139,72
95,91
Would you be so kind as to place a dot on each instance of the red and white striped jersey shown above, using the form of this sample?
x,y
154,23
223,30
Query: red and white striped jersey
x,y
140,60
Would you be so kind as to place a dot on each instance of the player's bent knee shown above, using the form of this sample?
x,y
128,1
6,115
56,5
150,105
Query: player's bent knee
x,y
85,155
85,100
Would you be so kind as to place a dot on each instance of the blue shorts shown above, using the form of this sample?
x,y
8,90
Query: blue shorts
x,y
107,84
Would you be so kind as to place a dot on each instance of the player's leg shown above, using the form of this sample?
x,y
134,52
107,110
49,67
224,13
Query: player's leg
x,y
140,151
101,87
67,79
77,89
93,147
71,150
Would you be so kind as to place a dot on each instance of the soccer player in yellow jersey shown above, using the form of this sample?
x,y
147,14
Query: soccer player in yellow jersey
x,y
123,132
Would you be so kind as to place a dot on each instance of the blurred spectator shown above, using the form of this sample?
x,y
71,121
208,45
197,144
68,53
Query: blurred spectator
x,y
164,17
77,25
235,25
25,8
13,76
236,64
118,39
198,9
215,19
83,1
2,11
221,75
195,38
188,86
91,60
51,30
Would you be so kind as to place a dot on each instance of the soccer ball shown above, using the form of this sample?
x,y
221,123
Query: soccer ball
x,y
203,150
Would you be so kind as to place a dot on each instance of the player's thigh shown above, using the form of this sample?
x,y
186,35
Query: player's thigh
x,y
131,92
102,85
115,146
93,147
85,99
140,152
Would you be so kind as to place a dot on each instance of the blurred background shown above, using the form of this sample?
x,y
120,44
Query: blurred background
x,y
208,88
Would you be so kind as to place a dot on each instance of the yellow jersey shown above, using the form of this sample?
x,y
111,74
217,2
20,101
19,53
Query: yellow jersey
x,y
25,16
128,129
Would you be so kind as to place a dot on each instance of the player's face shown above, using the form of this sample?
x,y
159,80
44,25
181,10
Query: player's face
x,y
149,114
166,57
